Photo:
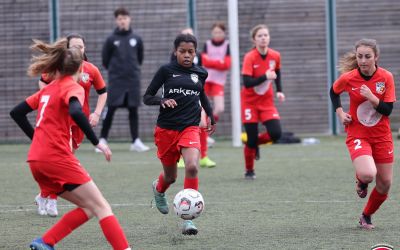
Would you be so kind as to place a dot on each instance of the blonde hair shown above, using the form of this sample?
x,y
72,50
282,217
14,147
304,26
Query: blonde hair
x,y
53,58
256,28
349,61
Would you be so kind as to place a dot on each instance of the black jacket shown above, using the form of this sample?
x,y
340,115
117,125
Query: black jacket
x,y
122,56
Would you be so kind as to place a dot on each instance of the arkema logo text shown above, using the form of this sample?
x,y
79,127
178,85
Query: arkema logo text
x,y
185,92
382,247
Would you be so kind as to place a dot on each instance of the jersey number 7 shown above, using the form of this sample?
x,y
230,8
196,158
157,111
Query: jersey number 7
x,y
45,99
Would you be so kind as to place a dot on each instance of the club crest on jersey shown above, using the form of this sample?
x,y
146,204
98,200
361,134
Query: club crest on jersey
x,y
380,87
194,77
85,77
132,42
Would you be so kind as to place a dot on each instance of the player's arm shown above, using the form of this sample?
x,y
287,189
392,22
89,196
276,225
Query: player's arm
x,y
76,113
337,88
250,82
140,51
19,115
101,90
106,52
149,97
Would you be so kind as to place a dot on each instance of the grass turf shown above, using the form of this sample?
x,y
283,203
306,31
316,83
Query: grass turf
x,y
303,198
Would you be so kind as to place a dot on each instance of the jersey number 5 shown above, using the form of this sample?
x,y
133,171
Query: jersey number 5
x,y
247,114
45,99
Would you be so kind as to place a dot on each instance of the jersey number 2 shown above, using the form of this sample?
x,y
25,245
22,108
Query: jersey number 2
x,y
45,99
358,144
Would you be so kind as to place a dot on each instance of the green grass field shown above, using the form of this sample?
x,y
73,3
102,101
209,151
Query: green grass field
x,y
303,198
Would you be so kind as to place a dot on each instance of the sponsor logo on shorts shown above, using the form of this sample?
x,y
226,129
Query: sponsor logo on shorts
x,y
192,142
390,152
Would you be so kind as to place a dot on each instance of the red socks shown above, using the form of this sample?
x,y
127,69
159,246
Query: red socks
x,y
374,202
263,138
203,143
162,186
249,156
192,183
69,222
113,232
53,196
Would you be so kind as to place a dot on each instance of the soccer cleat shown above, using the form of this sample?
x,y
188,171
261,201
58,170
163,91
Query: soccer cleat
x,y
206,162
181,163
38,244
210,142
365,222
138,146
103,141
189,228
51,207
41,202
250,175
361,189
161,200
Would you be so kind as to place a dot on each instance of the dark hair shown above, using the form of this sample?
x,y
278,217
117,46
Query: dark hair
x,y
77,36
187,38
220,25
54,58
121,12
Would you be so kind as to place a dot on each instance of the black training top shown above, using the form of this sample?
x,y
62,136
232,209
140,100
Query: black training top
x,y
185,86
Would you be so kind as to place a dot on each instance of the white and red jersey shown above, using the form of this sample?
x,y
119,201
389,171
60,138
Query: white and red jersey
x,y
51,141
366,121
255,65
217,74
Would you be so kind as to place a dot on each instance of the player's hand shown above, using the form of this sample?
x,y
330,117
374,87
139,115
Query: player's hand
x,y
210,127
366,92
280,96
106,150
170,103
94,119
270,74
344,117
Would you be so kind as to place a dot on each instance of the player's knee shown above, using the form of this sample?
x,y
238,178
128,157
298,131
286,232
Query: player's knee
x,y
275,134
367,177
383,186
191,169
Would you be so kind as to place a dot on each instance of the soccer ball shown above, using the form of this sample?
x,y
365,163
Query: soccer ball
x,y
188,204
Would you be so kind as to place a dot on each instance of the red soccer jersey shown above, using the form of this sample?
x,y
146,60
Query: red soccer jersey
x,y
366,121
51,141
90,75
255,65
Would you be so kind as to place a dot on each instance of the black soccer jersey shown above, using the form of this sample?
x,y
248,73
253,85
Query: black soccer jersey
x,y
185,86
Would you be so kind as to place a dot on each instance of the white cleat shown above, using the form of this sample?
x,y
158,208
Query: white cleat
x,y
138,146
41,203
103,141
51,207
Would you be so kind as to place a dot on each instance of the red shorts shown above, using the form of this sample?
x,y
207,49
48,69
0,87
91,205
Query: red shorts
x,y
77,136
253,114
213,89
170,142
52,176
381,149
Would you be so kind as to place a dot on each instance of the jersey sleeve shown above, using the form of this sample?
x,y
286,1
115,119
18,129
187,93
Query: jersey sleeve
x,y
278,61
339,85
247,68
390,95
74,90
98,81
33,100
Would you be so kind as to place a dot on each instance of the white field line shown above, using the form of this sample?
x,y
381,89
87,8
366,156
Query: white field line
x,y
32,207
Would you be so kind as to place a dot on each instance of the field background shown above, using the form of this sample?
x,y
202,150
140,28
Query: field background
x,y
303,198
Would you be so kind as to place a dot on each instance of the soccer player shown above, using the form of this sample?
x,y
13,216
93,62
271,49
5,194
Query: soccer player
x,y
89,76
177,131
369,138
51,161
261,66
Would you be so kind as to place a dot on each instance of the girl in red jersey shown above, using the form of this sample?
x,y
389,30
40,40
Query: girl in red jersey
x,y
261,66
177,132
89,76
216,60
51,161
369,138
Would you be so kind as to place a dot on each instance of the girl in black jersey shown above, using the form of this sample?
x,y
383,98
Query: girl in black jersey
x,y
177,130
